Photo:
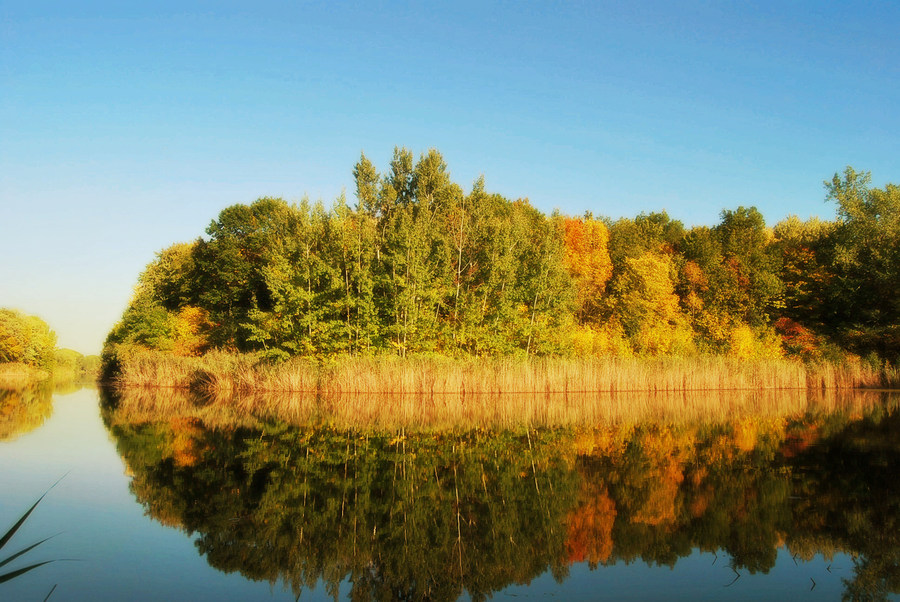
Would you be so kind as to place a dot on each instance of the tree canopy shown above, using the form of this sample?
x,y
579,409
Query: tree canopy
x,y
420,265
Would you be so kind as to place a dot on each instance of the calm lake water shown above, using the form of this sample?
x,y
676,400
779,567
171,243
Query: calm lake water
x,y
158,503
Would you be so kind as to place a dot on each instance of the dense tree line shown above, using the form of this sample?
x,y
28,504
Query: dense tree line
x,y
419,265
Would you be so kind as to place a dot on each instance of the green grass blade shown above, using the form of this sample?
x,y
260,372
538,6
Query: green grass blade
x,y
8,535
50,593
25,551
13,574
12,531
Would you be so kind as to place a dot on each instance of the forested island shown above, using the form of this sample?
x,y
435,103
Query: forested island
x,y
420,268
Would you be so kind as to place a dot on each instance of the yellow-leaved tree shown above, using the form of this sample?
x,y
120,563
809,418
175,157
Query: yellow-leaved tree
x,y
646,305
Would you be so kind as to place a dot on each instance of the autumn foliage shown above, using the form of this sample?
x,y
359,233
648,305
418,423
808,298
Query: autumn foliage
x,y
420,266
587,261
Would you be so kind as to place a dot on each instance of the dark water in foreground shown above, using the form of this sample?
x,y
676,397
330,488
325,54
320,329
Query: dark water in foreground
x,y
170,506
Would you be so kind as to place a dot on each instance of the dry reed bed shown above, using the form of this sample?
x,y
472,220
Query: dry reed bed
x,y
224,372
15,375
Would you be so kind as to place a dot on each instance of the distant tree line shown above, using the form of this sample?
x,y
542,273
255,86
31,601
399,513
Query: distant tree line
x,y
421,266
27,340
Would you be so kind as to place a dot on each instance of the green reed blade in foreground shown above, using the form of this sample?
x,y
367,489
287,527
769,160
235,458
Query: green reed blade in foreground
x,y
6,561
22,571
12,531
50,593
8,535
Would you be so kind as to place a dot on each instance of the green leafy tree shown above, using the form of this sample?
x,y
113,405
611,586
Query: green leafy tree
x,y
145,322
752,285
804,247
865,307
655,232
730,277
153,318
494,310
227,276
367,187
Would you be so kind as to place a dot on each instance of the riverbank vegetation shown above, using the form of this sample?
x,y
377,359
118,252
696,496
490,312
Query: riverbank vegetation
x,y
225,373
28,353
476,291
27,346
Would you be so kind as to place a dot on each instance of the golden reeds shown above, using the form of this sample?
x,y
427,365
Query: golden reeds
x,y
15,375
225,372
437,392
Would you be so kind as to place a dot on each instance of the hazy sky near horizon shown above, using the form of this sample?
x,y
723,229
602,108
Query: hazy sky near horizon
x,y
126,127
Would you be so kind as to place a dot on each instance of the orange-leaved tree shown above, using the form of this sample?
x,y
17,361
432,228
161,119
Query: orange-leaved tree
x,y
588,263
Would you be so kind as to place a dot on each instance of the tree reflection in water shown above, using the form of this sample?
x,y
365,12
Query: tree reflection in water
x,y
435,514
24,408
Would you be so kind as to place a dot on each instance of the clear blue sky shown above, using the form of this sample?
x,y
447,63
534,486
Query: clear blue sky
x,y
124,129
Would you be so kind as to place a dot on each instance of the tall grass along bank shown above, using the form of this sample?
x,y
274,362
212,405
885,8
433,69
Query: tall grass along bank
x,y
434,375
18,374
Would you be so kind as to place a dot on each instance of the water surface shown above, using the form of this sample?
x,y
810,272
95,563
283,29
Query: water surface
x,y
171,501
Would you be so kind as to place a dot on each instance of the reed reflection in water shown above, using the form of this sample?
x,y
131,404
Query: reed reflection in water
x,y
507,411
422,507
